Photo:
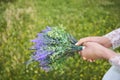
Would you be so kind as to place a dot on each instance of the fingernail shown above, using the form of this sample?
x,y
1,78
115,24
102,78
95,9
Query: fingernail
x,y
83,47
76,44
90,60
84,58
93,60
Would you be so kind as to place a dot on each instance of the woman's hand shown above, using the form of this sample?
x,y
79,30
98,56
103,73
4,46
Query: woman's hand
x,y
95,51
101,40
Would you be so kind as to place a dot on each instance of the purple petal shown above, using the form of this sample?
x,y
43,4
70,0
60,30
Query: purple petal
x,y
41,55
35,40
47,29
46,68
43,63
40,34
38,43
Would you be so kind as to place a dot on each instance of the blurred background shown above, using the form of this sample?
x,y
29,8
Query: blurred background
x,y
21,20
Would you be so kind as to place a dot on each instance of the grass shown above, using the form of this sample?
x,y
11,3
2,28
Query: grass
x,y
21,20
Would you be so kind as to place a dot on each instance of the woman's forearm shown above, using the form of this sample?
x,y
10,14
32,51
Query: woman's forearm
x,y
115,61
114,37
112,57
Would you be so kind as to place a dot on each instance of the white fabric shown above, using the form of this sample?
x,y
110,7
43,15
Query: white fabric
x,y
114,72
115,61
114,37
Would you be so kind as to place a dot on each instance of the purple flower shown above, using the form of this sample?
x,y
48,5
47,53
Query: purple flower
x,y
38,44
46,68
41,55
52,47
39,41
47,29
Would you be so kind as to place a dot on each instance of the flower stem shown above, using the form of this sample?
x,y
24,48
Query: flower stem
x,y
77,48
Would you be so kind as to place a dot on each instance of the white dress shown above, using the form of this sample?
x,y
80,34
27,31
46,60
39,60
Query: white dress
x,y
114,72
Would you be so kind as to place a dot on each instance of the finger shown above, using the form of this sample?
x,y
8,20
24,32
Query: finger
x,y
90,60
93,60
88,44
81,41
84,58
79,52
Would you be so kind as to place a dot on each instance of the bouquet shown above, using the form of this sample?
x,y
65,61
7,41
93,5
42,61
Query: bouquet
x,y
52,46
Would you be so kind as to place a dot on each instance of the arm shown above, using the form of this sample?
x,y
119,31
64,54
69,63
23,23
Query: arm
x,y
95,51
114,37
111,39
115,61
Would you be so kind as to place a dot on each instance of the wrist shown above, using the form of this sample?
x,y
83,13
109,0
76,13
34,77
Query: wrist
x,y
107,42
115,61
109,54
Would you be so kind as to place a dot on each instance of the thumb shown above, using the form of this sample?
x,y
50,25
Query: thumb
x,y
86,44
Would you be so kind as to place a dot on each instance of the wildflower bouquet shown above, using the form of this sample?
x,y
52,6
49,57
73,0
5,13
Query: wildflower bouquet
x,y
52,46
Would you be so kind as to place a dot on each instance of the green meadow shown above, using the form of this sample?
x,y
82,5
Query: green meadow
x,y
21,20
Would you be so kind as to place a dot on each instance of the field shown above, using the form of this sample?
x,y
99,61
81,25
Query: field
x,y
21,20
